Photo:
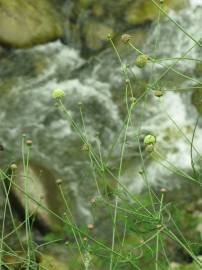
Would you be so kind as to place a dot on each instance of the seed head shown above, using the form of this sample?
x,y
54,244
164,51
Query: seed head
x,y
141,61
127,81
158,93
80,104
58,94
149,139
90,226
125,38
13,167
29,142
85,147
132,99
59,182
163,190
93,201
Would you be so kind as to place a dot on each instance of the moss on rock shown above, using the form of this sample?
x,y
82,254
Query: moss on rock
x,y
27,23
142,11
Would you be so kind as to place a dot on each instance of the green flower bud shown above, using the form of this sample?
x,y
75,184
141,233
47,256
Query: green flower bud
x,y
13,167
58,93
141,60
149,139
109,36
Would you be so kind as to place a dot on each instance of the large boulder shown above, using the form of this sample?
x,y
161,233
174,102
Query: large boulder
x,y
42,195
25,23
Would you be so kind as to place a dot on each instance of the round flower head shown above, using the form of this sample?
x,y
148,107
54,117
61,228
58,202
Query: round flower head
x,y
158,93
149,139
141,60
29,142
58,93
125,38
13,167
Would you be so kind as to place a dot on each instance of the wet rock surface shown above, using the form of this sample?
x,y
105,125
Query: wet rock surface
x,y
82,24
27,23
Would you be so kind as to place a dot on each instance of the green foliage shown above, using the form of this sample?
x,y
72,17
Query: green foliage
x,y
143,231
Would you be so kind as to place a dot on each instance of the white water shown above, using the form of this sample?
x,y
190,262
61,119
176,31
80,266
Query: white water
x,y
28,108
195,3
174,114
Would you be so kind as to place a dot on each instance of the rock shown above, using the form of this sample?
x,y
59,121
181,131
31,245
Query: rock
x,y
96,35
51,263
27,23
44,261
42,190
142,11
196,98
98,10
176,266
14,261
24,23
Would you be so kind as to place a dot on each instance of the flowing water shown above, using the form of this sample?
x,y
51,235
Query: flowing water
x,y
29,77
